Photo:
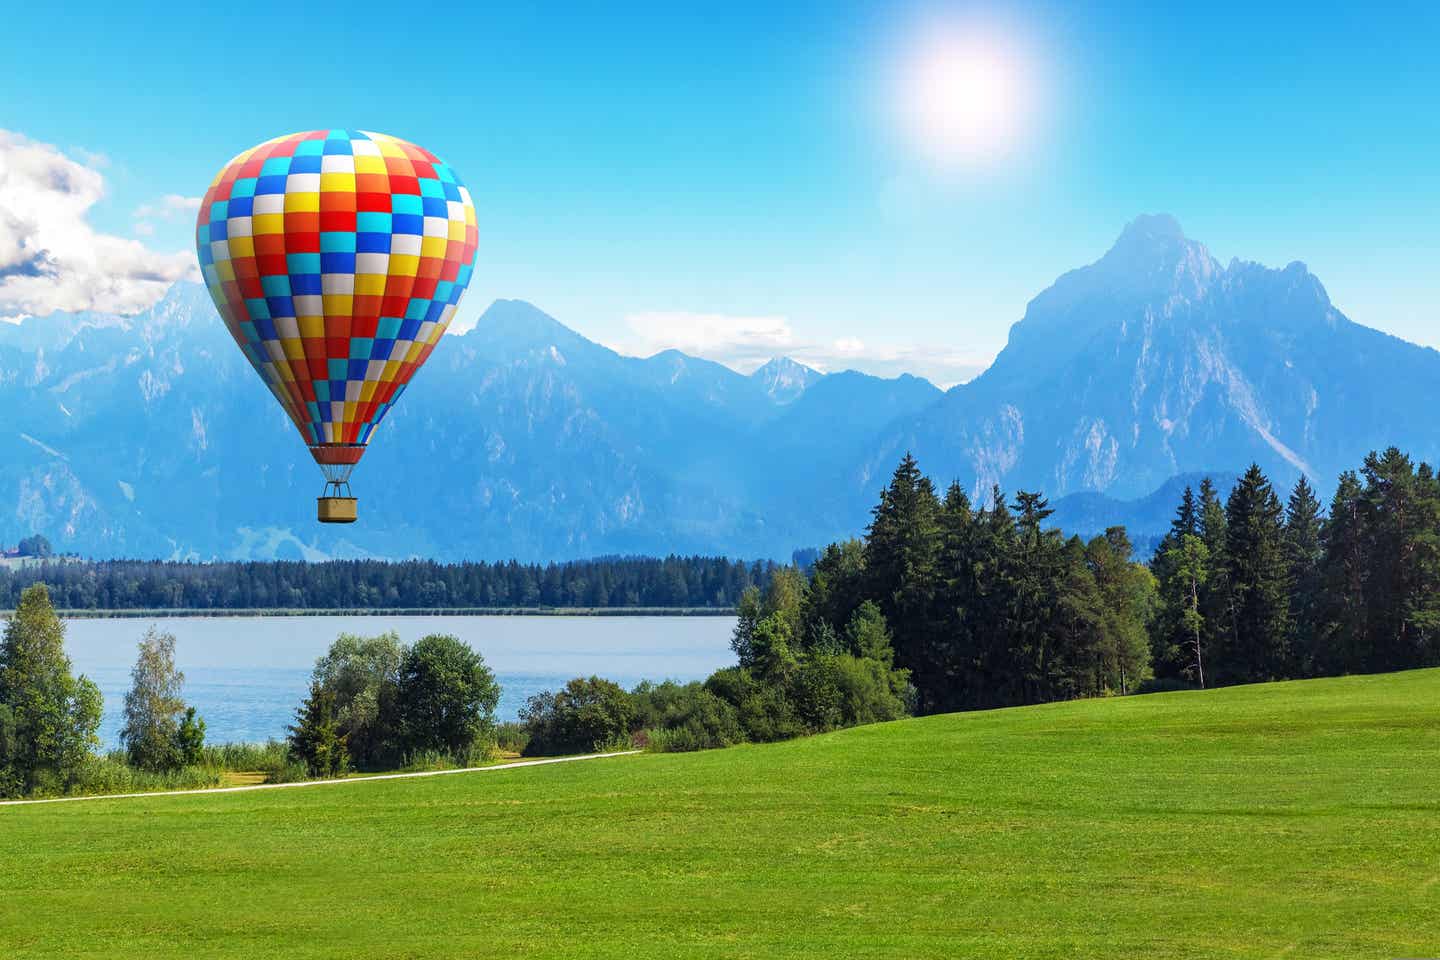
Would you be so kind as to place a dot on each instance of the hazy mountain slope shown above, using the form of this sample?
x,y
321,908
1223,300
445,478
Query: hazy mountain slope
x,y
1156,361
150,435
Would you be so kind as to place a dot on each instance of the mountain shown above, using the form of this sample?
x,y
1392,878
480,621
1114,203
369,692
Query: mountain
x,y
150,435
784,379
1156,361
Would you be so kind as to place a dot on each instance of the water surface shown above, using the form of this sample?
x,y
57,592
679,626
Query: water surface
x,y
246,675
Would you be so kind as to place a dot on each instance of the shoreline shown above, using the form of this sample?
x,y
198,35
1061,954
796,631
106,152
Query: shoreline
x,y
259,612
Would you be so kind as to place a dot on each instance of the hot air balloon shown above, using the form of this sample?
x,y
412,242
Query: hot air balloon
x,y
336,259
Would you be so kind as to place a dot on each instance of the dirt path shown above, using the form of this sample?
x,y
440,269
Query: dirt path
x,y
320,783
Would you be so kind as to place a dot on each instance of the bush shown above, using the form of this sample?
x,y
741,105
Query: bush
x,y
679,717
190,739
244,757
764,712
587,714
511,737
112,774
845,691
422,761
1165,685
288,770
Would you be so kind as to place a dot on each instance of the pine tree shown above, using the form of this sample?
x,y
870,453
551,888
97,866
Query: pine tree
x,y
902,550
1217,600
1171,628
315,739
1303,535
953,652
1398,511
1259,583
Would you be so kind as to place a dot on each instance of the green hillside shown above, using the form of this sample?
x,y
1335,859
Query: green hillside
x,y
1298,819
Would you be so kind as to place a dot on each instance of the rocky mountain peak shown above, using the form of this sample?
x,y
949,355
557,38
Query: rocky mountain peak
x,y
784,379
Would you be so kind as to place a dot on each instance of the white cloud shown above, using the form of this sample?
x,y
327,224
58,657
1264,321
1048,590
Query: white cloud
x,y
736,341
744,343
172,206
51,258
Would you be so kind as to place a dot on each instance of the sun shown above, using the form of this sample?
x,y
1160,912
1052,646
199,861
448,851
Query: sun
x,y
966,96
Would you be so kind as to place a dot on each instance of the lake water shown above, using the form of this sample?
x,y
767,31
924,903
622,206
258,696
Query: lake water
x,y
246,675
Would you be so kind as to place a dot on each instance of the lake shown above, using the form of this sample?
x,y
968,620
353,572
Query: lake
x,y
246,675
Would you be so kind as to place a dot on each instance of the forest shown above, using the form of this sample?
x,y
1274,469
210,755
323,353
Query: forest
x,y
698,582
944,606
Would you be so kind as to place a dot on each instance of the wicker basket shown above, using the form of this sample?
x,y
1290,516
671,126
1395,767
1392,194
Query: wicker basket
x,y
336,509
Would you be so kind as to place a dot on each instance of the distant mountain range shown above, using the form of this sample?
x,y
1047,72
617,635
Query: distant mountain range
x,y
150,436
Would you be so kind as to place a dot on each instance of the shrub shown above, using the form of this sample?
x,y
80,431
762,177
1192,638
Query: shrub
x,y
764,712
587,714
426,760
845,691
315,739
511,737
289,770
245,757
679,717
190,739
113,774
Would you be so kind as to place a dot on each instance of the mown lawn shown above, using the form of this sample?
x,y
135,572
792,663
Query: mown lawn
x,y
1298,820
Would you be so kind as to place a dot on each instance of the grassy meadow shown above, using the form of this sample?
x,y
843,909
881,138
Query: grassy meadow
x,y
1296,819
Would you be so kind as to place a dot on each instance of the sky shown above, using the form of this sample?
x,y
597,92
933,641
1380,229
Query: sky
x,y
881,186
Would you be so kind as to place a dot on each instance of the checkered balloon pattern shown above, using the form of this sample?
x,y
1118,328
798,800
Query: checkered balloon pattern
x,y
336,259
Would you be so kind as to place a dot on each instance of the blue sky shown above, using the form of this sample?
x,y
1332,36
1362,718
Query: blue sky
x,y
736,179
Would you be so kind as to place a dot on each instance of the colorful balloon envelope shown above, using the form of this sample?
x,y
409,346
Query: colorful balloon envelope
x,y
336,259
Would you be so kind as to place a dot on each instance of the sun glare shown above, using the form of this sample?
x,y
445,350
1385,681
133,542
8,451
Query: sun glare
x,y
966,96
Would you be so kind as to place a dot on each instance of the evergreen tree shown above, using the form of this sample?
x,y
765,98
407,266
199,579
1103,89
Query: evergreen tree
x,y
1259,584
953,654
1343,642
1304,551
837,586
1399,511
902,551
190,738
1217,599
1033,589
315,739
1170,628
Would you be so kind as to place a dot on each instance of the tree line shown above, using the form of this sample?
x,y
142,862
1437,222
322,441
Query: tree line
x,y
1254,589
947,605
700,582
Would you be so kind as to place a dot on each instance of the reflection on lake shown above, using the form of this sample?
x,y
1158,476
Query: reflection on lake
x,y
246,675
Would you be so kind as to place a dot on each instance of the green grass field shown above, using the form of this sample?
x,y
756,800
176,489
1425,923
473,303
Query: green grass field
x,y
1298,820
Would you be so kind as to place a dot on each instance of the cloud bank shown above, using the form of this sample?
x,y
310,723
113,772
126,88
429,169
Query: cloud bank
x,y
51,258
746,342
